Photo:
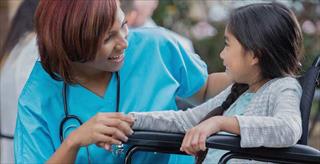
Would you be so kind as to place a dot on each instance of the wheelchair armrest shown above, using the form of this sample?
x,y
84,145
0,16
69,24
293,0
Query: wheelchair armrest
x,y
155,139
297,152
173,141
152,141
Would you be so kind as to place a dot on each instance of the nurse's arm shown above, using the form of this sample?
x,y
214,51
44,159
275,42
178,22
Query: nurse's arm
x,y
67,152
215,83
107,128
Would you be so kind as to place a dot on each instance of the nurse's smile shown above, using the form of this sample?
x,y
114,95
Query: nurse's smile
x,y
116,59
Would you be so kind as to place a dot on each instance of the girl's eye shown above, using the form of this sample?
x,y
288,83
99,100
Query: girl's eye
x,y
226,43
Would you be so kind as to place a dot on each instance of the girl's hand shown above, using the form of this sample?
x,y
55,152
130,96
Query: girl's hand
x,y
104,129
195,138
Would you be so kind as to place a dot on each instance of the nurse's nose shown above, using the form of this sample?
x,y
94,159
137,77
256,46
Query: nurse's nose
x,y
121,45
122,40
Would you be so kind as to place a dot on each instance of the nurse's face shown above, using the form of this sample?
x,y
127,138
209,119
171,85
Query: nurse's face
x,y
110,56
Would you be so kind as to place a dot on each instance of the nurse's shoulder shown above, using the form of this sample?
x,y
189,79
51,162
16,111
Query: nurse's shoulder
x,y
39,89
150,35
154,44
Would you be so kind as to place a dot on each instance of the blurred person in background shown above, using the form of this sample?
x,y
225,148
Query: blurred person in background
x,y
17,57
139,15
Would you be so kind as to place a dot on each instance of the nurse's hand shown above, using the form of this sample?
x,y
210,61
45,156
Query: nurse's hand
x,y
104,129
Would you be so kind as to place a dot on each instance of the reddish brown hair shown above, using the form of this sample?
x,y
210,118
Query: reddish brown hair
x,y
71,31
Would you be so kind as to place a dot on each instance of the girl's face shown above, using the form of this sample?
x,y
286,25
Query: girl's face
x,y
241,65
110,56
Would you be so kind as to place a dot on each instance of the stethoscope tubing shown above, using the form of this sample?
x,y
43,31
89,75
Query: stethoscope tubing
x,y
65,106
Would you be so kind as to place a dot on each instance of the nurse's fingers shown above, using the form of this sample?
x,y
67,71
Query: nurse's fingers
x,y
116,115
119,135
125,127
121,125
108,147
107,139
113,132
104,145
100,144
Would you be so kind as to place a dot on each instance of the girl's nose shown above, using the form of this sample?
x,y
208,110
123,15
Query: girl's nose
x,y
222,54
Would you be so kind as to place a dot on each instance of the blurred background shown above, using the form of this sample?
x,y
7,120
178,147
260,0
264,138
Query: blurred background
x,y
199,25
203,22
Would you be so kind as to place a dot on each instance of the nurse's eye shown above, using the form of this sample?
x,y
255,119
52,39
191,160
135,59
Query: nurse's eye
x,y
124,24
106,40
117,33
110,37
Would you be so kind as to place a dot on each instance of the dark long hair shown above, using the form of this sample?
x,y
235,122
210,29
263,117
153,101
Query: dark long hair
x,y
22,23
272,33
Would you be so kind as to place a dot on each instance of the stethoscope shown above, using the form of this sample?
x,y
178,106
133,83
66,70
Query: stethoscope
x,y
69,117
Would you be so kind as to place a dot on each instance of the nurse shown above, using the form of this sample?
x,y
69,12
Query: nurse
x,y
68,111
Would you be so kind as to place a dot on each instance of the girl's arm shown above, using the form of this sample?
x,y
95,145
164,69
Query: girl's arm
x,y
176,121
280,128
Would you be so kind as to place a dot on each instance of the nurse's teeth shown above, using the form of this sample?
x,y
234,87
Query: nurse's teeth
x,y
114,57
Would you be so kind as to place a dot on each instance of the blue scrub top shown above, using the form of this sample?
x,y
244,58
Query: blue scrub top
x,y
156,70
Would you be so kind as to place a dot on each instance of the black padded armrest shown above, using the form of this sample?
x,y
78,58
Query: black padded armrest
x,y
156,142
157,139
225,142
297,152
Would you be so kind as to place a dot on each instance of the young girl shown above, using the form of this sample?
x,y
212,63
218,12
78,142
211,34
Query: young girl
x,y
261,54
